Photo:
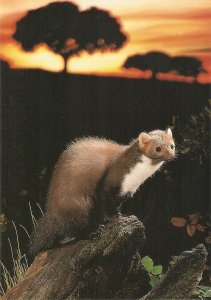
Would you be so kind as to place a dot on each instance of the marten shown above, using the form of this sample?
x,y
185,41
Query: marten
x,y
91,178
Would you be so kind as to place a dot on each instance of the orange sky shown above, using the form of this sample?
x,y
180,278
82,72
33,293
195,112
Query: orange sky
x,y
178,27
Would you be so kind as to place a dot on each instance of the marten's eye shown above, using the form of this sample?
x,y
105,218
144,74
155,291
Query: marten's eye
x,y
158,149
172,146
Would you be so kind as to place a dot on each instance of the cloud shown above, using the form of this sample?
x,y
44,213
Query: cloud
x,y
179,38
198,50
203,14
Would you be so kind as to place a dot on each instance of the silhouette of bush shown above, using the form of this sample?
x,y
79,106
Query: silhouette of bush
x,y
158,62
187,66
137,61
67,31
154,61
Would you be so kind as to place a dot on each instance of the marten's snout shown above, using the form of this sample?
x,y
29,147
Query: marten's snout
x,y
169,152
170,156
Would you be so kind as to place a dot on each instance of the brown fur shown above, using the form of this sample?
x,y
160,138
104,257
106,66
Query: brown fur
x,y
76,177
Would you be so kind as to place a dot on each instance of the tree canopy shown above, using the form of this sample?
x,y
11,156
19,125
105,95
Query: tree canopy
x,y
68,31
159,62
187,66
154,61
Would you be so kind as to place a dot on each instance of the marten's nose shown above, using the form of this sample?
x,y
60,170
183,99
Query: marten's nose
x,y
170,155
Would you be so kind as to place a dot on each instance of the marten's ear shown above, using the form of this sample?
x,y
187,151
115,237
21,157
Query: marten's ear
x,y
144,138
169,132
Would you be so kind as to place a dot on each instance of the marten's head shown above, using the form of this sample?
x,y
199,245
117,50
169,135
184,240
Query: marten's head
x,y
157,144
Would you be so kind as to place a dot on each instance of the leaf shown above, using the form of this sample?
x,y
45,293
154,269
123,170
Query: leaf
x,y
201,227
208,239
157,270
194,218
154,281
194,118
44,171
147,262
204,290
206,267
207,109
23,193
191,229
208,223
186,150
195,293
178,222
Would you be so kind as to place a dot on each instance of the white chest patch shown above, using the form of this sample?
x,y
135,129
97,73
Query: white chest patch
x,y
138,174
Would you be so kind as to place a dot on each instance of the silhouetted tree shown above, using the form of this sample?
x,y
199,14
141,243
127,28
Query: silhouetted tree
x,y
3,65
67,31
100,31
137,61
187,66
154,61
158,62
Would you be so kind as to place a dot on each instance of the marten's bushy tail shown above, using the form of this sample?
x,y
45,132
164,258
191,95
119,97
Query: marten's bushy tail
x,y
46,235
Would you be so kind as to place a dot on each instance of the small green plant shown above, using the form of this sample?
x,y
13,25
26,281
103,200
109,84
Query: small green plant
x,y
203,291
155,272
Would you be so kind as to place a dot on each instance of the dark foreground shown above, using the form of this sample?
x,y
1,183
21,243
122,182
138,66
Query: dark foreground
x,y
42,112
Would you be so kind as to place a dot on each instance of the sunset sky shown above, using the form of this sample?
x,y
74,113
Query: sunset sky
x,y
177,27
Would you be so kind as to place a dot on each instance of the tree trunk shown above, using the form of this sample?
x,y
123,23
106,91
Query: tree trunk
x,y
107,266
154,75
65,64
